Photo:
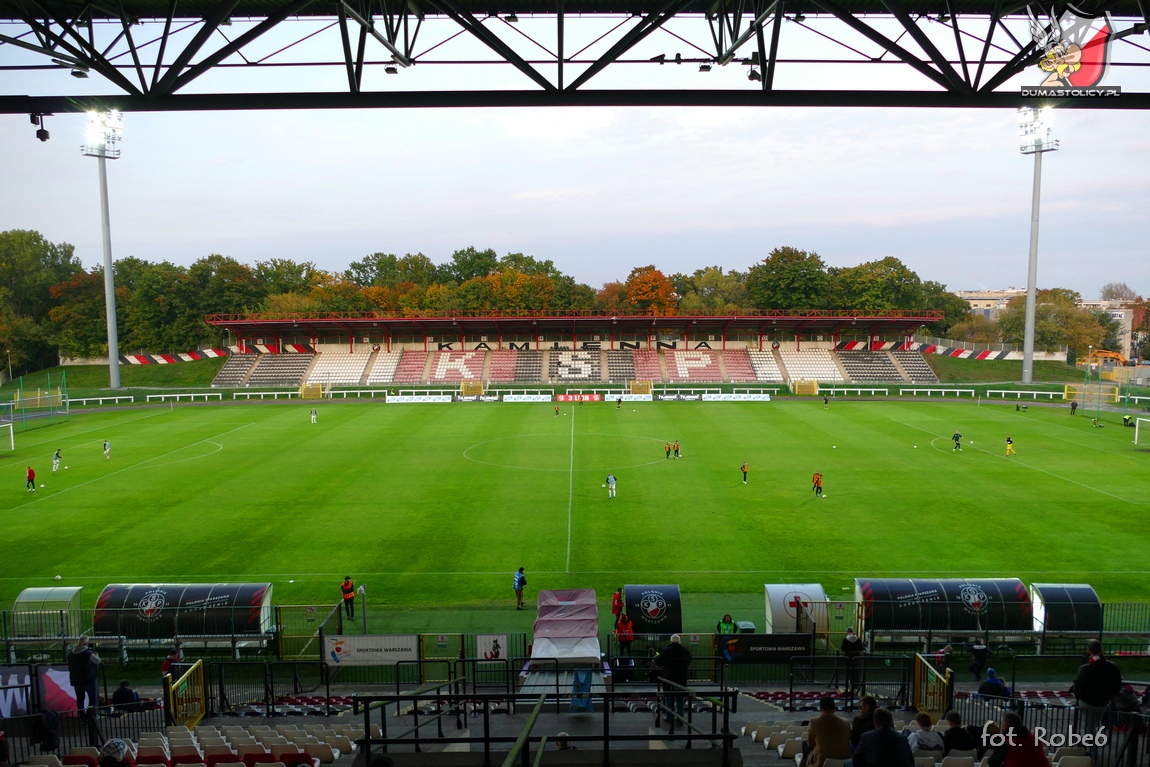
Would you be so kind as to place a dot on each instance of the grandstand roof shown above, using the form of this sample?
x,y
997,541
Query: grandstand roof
x,y
440,324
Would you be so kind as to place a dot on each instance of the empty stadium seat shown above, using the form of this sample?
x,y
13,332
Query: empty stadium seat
x,y
810,365
234,370
575,366
453,367
646,363
529,366
410,368
764,365
383,369
739,369
502,368
332,367
280,369
692,365
915,366
865,366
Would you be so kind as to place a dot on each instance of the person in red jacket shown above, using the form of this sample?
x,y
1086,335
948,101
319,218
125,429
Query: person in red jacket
x,y
617,604
625,633
348,590
31,483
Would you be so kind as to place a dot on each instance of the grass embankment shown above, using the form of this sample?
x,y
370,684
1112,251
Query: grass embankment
x,y
956,370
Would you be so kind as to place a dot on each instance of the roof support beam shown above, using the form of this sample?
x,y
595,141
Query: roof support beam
x,y
911,26
645,27
211,23
396,54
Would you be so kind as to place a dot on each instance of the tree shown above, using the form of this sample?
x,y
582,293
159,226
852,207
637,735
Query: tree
x,y
1058,322
379,269
649,290
529,265
788,278
610,297
975,328
29,267
876,286
290,303
225,286
333,293
417,269
955,309
469,263
711,289
282,275
1118,291
79,327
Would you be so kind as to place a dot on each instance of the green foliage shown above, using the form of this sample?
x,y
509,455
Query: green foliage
x,y
876,286
1058,322
789,278
282,275
470,492
956,370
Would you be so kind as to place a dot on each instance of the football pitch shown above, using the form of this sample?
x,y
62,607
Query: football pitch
x,y
437,505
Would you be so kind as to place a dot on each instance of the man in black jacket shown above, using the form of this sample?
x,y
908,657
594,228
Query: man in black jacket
x,y
83,673
864,722
882,746
1096,684
676,662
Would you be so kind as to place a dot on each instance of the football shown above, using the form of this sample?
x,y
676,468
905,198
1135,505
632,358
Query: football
x,y
602,486
65,468
41,485
57,577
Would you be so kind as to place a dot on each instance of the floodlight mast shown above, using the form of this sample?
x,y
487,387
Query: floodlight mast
x,y
1034,128
104,132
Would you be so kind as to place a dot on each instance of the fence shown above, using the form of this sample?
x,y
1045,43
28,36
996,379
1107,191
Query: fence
x,y
26,734
186,698
887,677
933,689
301,628
257,689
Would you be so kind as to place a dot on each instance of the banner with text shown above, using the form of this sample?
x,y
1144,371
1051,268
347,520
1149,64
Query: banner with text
x,y
407,399
526,397
370,650
736,398
762,648
578,397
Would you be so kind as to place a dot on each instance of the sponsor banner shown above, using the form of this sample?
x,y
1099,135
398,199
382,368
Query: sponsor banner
x,y
578,397
762,648
679,397
484,398
654,609
491,646
635,398
15,684
736,398
526,397
407,399
370,649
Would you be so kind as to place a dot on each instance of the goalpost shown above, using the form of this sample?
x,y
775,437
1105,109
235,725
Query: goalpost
x,y
471,388
1140,439
10,441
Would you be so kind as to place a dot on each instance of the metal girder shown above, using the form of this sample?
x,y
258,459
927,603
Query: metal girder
x,y
882,40
472,25
566,98
955,82
648,25
773,56
83,50
211,23
726,56
40,49
399,56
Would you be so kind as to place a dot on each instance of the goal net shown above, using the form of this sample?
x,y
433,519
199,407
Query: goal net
x,y
1140,439
471,389
8,437
640,387
1088,393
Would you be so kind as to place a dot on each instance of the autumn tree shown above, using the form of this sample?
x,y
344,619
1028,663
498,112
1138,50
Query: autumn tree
x,y
1058,322
79,327
1118,291
649,290
282,275
711,289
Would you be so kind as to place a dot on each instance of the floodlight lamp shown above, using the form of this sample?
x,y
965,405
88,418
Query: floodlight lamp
x,y
105,130
754,76
80,73
391,69
704,67
799,17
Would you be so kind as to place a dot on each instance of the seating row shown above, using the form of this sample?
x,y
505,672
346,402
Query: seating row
x,y
339,367
810,365
915,366
620,365
280,369
575,366
383,371
235,368
869,366
739,368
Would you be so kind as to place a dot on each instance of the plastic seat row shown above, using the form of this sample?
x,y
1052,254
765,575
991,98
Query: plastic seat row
x,y
453,366
692,365
764,365
339,367
647,365
503,365
575,366
280,369
869,366
739,368
916,367
620,365
810,365
383,369
410,368
234,370
529,366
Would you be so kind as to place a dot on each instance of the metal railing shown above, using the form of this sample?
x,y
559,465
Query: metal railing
x,y
26,734
186,698
933,689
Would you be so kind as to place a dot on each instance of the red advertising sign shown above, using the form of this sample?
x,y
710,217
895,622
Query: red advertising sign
x,y
578,397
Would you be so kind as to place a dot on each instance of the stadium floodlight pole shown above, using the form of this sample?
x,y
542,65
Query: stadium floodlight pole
x,y
1034,130
104,132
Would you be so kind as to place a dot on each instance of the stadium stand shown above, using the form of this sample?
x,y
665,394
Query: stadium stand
x,y
620,365
810,365
410,368
764,365
575,366
692,365
234,369
739,369
453,367
339,367
529,366
280,369
647,365
915,366
383,371
869,366
503,365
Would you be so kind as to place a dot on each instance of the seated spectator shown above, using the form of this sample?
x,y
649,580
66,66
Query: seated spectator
x,y
726,625
125,698
957,737
882,746
114,753
925,738
828,736
1020,747
172,659
864,722
993,687
942,658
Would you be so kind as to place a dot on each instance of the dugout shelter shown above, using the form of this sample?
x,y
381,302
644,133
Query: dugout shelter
x,y
908,609
52,611
208,613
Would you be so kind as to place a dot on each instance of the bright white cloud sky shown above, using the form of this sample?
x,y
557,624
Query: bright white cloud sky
x,y
598,191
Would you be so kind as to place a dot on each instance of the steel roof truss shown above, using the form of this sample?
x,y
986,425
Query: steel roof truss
x,y
158,66
489,38
41,49
86,53
127,32
726,56
773,55
166,85
915,31
353,72
883,41
646,26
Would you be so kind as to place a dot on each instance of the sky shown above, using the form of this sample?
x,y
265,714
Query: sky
x,y
596,190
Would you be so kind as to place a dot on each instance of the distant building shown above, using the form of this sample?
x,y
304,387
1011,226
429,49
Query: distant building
x,y
989,303
1125,316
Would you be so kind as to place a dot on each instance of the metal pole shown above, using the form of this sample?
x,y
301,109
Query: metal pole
x,y
1032,275
109,281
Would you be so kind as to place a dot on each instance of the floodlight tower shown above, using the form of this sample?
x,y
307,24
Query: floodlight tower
x,y
1034,128
104,132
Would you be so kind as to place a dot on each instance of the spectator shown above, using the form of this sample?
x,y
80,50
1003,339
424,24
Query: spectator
x,y
5,752
864,722
726,625
957,737
882,746
852,648
114,753
1020,748
125,698
563,741
925,738
652,666
84,673
979,657
676,663
617,605
172,659
1096,684
942,658
828,735
994,687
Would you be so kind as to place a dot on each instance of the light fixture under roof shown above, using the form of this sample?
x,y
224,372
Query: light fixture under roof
x,y
754,76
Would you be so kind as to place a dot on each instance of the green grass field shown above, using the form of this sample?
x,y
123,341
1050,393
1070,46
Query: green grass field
x,y
436,505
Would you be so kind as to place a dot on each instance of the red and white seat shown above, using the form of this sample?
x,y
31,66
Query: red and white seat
x,y
503,365
693,365
647,365
410,369
453,367
738,364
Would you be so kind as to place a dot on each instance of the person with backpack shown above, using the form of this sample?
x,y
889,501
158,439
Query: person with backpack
x,y
84,673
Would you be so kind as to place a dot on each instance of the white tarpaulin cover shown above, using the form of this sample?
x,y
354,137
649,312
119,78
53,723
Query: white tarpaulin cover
x,y
567,625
